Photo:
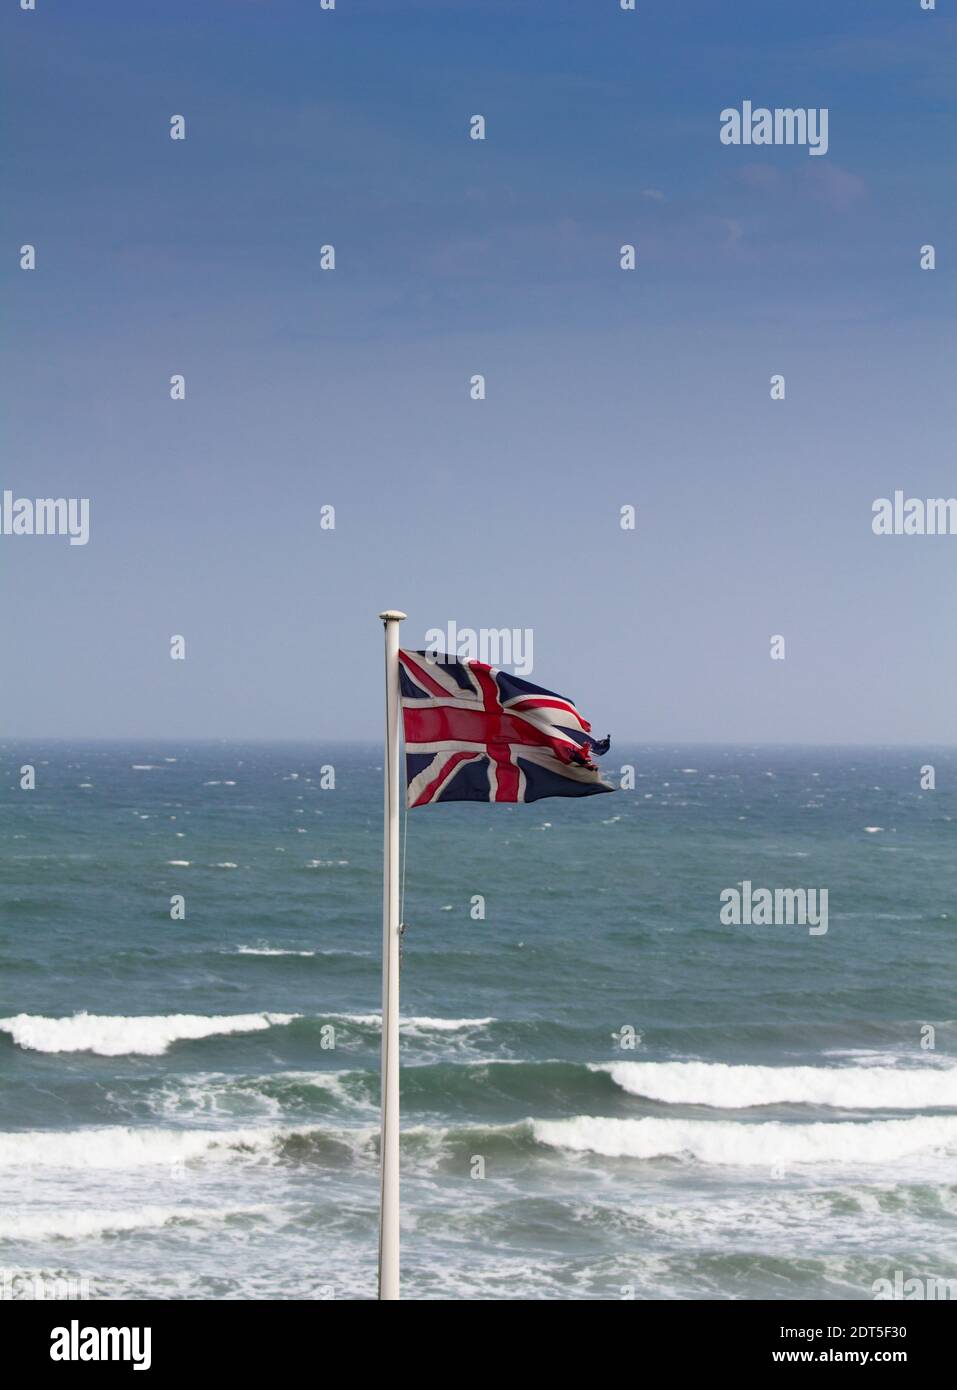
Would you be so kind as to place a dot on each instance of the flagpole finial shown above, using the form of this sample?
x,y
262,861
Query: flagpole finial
x,y
392,615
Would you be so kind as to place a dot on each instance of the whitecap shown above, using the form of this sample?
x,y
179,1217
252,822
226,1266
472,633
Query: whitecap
x,y
740,1087
119,1036
750,1145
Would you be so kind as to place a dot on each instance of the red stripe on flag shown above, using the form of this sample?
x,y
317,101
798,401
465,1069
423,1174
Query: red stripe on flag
x,y
443,774
538,702
421,676
452,724
499,734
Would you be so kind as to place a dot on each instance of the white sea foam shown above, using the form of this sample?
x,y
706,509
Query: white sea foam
x,y
730,1087
267,951
263,950
120,1147
218,1095
417,1025
443,1025
62,1223
110,1036
751,1145
874,1057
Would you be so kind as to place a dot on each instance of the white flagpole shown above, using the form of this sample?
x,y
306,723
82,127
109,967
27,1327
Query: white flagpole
x,y
389,1155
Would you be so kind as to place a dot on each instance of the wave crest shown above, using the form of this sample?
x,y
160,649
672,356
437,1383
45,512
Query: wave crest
x,y
749,1144
739,1087
118,1036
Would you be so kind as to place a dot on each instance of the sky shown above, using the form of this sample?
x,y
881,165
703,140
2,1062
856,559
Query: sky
x,y
351,387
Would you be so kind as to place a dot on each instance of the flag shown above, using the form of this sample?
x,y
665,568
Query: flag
x,y
474,733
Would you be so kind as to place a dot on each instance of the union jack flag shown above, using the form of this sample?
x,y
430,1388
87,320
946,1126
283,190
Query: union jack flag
x,y
474,733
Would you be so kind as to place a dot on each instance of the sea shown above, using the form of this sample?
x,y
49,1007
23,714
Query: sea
x,y
607,1091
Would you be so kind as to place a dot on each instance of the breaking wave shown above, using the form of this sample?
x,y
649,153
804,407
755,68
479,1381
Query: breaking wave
x,y
739,1087
750,1144
64,1224
109,1036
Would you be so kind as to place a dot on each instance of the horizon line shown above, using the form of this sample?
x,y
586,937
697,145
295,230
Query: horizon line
x,y
314,741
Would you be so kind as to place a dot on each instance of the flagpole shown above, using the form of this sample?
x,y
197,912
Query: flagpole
x,y
389,1151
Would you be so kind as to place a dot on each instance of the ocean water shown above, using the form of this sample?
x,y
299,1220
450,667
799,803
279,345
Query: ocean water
x,y
189,1108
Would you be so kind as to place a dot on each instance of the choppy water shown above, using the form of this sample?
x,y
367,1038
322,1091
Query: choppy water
x,y
174,1123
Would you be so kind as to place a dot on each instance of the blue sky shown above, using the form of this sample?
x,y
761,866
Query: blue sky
x,y
454,257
